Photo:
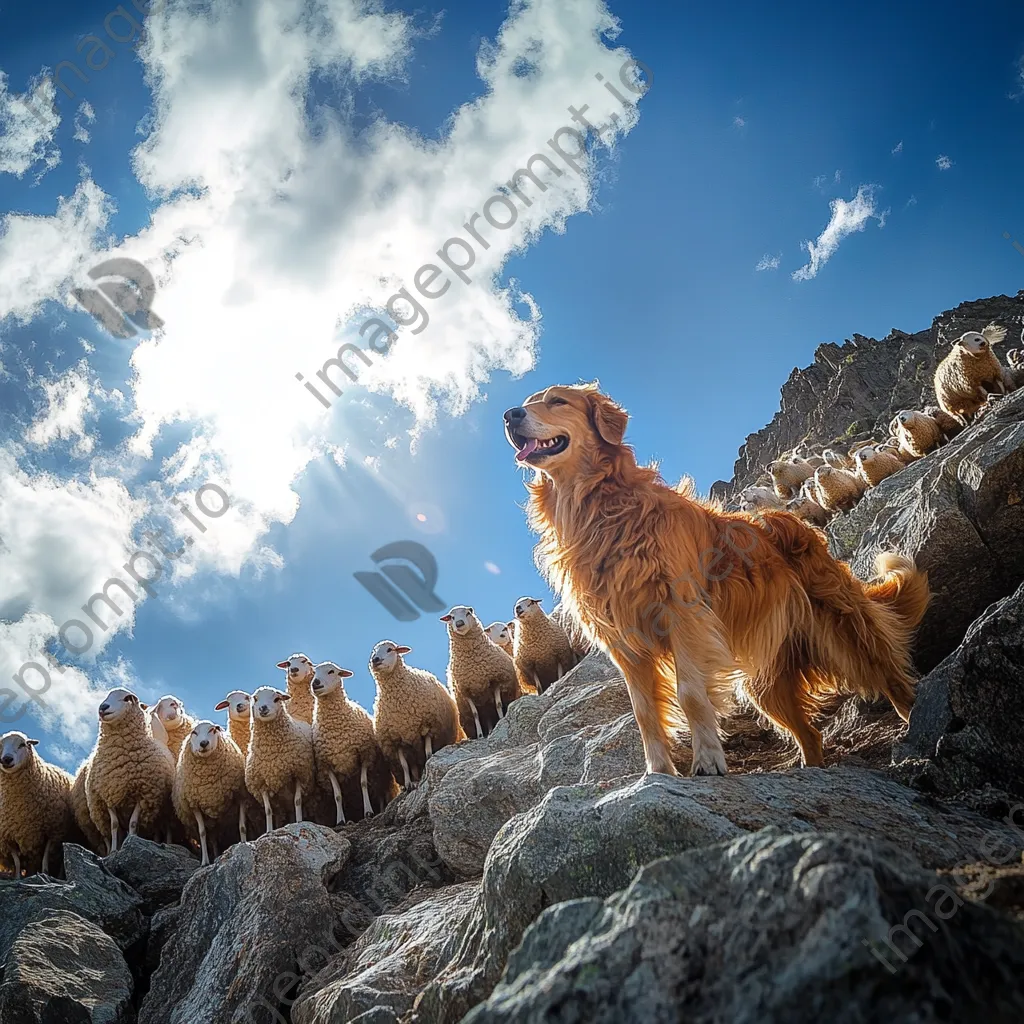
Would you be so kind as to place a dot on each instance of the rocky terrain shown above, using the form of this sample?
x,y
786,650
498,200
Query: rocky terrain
x,y
539,875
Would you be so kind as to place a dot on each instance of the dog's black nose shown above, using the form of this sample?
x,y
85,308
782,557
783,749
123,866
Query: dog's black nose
x,y
513,417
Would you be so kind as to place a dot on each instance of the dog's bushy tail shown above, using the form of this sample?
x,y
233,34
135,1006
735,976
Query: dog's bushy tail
x,y
902,586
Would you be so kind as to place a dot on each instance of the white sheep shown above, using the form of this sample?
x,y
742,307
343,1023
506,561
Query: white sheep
x,y
345,746
279,764
542,652
413,714
209,786
481,676
35,804
298,675
500,633
80,809
177,723
130,772
238,705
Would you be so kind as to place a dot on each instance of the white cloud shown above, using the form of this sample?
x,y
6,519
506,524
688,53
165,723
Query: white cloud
x,y
898,148
1020,80
847,217
739,122
769,262
69,403
943,162
492,568
85,116
821,180
28,123
912,201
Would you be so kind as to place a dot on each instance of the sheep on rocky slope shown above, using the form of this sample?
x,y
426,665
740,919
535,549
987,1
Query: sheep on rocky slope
x,y
837,489
788,474
542,652
413,714
209,787
916,433
298,675
238,705
481,676
808,510
347,754
35,805
176,722
875,464
500,633
130,774
279,765
80,810
970,373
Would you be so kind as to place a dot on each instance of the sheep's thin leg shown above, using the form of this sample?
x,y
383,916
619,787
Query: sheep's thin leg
x,y
202,838
558,670
407,784
537,683
476,720
16,857
269,811
113,829
168,838
367,805
336,786
242,825
133,821
298,802
428,745
46,856
497,702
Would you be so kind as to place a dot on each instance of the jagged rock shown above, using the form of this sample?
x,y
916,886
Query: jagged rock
x,y
959,513
90,891
64,969
248,926
968,720
768,928
157,872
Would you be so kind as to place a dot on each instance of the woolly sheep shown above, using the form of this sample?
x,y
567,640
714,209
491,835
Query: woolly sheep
x,y
875,464
579,641
750,499
155,726
80,810
542,652
481,677
837,489
808,510
788,474
970,373
949,425
413,714
35,804
299,674
170,711
916,433
500,633
279,764
130,773
209,786
238,705
345,747
837,460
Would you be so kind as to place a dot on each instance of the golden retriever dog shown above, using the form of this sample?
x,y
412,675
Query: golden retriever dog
x,y
692,601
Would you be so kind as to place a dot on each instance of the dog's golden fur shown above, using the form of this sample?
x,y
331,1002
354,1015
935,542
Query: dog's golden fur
x,y
691,601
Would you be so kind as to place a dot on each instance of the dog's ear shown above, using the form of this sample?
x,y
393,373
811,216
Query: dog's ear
x,y
609,419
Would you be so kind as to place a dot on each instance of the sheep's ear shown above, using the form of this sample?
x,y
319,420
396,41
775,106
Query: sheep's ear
x,y
32,743
282,696
344,673
470,610
218,728
145,707
511,625
283,664
131,698
406,650
446,618
223,705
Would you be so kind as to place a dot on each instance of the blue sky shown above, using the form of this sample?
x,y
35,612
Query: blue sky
x,y
268,211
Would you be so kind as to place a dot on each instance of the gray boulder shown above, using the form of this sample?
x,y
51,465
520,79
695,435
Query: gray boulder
x,y
62,968
247,929
769,928
157,872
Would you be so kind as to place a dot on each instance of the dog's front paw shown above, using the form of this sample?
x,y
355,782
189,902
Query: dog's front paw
x,y
709,762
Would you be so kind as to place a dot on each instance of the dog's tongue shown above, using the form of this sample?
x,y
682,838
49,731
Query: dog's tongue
x,y
526,450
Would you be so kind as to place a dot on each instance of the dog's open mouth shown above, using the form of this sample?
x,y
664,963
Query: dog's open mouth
x,y
530,449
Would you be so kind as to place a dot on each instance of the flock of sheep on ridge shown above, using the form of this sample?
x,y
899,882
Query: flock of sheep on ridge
x,y
302,753
817,486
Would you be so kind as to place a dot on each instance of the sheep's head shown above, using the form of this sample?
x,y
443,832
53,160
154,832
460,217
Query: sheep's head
x,y
973,343
268,702
824,473
328,677
15,752
169,709
299,668
238,705
386,657
528,608
119,704
204,737
497,633
462,621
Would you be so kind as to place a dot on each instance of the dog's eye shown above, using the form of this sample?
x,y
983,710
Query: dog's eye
x,y
557,401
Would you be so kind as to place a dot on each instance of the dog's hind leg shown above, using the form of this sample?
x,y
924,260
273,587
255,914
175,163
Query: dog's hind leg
x,y
779,697
692,689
